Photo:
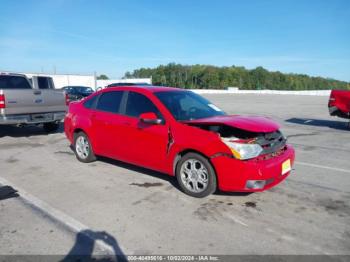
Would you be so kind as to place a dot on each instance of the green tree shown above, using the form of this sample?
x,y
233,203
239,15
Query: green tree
x,y
102,77
208,76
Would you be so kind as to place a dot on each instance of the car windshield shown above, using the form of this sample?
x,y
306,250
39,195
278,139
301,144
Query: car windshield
x,y
84,89
186,105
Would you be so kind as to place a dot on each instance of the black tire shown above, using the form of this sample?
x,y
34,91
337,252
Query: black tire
x,y
90,156
211,176
51,127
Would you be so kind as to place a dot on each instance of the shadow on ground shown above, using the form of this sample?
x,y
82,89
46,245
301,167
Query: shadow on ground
x,y
84,245
7,192
238,194
339,125
170,179
25,131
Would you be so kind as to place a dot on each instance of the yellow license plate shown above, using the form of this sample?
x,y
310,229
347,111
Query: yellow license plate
x,y
286,167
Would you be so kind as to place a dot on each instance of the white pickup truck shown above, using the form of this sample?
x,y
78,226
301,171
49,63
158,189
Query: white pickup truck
x,y
34,101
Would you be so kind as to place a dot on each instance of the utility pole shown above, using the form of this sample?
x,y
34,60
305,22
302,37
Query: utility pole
x,y
95,80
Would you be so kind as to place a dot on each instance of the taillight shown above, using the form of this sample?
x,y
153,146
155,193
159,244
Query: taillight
x,y
2,101
331,101
67,99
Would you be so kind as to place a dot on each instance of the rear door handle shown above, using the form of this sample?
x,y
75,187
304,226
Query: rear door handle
x,y
37,92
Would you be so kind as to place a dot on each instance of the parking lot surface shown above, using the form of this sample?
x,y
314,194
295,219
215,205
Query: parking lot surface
x,y
145,213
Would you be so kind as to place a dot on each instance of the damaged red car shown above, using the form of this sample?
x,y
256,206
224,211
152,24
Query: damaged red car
x,y
180,133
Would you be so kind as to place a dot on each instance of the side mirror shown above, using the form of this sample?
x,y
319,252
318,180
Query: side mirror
x,y
150,118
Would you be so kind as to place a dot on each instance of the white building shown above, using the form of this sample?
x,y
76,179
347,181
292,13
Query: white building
x,y
69,80
61,80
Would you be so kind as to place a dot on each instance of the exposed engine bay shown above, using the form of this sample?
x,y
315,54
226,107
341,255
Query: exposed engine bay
x,y
271,143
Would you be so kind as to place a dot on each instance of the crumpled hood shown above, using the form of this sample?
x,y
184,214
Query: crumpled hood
x,y
249,123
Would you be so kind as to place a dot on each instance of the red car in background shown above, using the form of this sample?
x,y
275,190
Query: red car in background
x,y
181,134
339,103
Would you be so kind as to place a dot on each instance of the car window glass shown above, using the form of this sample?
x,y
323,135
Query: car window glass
x,y
14,82
45,83
185,105
138,104
187,102
90,102
110,101
82,89
85,89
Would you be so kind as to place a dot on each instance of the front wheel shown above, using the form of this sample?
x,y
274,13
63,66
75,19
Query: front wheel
x,y
83,149
195,175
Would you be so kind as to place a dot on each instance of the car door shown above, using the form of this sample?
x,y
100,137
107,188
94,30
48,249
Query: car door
x,y
141,143
52,100
106,123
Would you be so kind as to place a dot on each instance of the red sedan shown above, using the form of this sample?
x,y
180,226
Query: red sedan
x,y
181,134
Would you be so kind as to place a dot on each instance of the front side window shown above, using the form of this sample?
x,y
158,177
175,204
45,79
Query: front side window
x,y
110,101
186,105
138,104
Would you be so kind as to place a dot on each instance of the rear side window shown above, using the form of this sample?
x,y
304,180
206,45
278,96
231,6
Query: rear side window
x,y
110,101
90,103
14,82
45,83
138,104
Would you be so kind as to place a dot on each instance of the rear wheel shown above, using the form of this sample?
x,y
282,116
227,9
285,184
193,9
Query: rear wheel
x,y
51,127
195,175
83,149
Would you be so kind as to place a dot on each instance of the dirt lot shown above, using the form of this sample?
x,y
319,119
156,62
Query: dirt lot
x,y
143,212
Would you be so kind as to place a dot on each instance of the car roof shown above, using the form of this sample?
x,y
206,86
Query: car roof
x,y
11,74
148,88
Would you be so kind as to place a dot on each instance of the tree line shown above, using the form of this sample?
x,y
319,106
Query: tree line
x,y
214,77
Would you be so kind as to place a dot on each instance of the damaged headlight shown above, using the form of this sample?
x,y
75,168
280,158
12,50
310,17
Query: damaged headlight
x,y
242,150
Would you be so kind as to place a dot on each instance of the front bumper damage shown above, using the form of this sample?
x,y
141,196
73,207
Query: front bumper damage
x,y
252,175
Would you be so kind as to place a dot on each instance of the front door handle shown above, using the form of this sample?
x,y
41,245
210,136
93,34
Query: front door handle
x,y
37,92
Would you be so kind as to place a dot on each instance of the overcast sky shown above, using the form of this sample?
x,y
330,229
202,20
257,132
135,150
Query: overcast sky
x,y
112,37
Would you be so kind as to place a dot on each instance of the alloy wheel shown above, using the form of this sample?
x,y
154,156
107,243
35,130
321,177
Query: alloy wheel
x,y
194,175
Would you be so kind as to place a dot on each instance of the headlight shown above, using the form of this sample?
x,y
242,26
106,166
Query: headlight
x,y
242,150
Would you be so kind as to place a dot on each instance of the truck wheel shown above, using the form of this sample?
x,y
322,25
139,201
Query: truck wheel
x,y
195,175
83,149
51,127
